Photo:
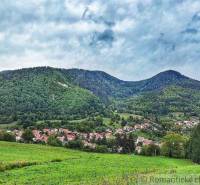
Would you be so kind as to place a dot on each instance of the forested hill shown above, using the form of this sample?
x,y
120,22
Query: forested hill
x,y
43,93
100,83
106,86
50,93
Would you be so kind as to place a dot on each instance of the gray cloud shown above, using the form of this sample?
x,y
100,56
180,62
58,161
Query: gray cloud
x,y
131,39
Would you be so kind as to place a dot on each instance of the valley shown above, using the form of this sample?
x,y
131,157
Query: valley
x,y
89,127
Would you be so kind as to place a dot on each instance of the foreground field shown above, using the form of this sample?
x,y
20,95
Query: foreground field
x,y
37,164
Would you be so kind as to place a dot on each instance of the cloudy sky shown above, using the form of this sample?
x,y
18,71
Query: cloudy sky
x,y
130,39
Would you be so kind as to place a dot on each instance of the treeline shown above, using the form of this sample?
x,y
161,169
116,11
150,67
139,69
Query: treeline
x,y
90,124
120,144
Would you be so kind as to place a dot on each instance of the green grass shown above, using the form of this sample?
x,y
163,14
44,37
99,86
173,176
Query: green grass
x,y
106,121
51,165
8,126
143,134
127,115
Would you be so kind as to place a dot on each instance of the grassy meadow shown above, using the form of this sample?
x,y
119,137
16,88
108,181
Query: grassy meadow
x,y
37,165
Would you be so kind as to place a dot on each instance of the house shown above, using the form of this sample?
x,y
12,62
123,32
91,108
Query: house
x,y
95,136
128,129
138,149
50,132
90,145
18,135
147,142
108,135
62,139
120,149
187,124
119,131
139,140
39,136
138,127
70,136
146,125
84,136
63,131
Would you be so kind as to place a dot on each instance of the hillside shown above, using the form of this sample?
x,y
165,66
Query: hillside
x,y
48,93
100,83
171,99
55,165
167,92
43,93
106,86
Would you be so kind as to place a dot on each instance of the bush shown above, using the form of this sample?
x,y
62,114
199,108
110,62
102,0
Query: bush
x,y
6,136
56,160
54,141
27,136
76,144
101,149
150,150
2,167
88,149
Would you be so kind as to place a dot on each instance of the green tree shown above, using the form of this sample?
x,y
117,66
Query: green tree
x,y
150,150
99,121
54,141
111,143
127,142
123,122
174,145
75,144
27,136
195,145
6,136
101,149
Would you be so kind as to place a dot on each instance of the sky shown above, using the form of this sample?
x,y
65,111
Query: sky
x,y
130,39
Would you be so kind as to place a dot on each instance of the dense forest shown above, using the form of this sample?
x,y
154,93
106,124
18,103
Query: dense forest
x,y
165,102
46,93
43,93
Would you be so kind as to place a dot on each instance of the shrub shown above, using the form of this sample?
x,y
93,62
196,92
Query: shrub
x,y
101,149
6,136
27,136
150,150
2,167
76,144
54,141
56,160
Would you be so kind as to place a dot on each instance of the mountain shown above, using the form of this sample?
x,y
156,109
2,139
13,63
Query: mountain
x,y
100,83
108,87
48,93
165,79
172,99
162,95
43,93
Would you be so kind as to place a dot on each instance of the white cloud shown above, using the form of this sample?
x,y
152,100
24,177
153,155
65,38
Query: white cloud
x,y
84,27
131,39
2,36
75,8
124,25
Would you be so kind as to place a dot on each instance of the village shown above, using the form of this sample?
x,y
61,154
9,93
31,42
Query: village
x,y
65,135
90,140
